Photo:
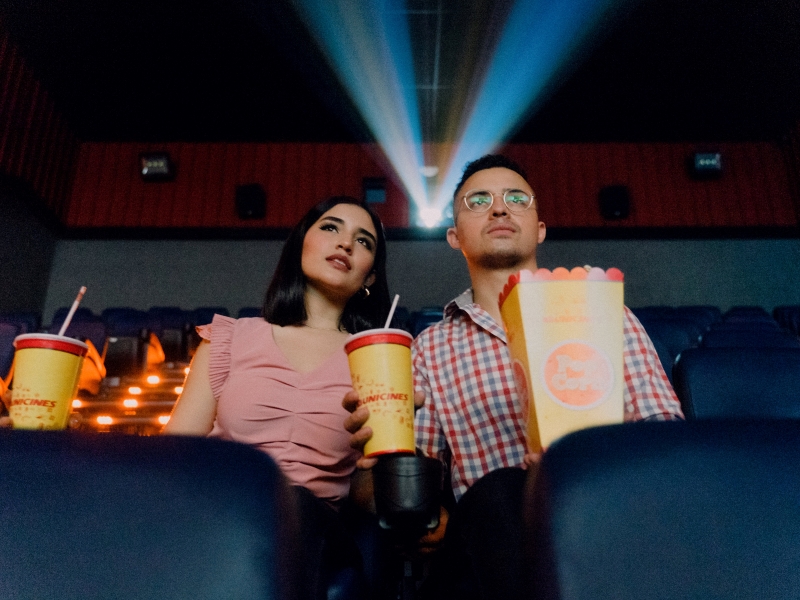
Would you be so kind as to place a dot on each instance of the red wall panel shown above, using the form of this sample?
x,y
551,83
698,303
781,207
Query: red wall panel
x,y
107,192
36,146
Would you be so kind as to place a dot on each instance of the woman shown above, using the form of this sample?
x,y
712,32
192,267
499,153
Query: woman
x,y
277,383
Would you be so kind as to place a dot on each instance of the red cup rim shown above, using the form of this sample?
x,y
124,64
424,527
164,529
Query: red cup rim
x,y
50,342
378,336
390,451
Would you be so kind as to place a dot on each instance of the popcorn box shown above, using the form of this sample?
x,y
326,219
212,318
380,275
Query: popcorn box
x,y
565,335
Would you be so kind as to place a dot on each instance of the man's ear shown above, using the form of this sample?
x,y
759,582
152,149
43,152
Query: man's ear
x,y
452,238
542,231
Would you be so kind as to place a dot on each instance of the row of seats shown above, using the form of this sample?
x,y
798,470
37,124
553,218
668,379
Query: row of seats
x,y
668,510
675,329
125,338
743,363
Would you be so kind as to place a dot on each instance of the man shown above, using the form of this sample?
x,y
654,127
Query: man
x,y
471,418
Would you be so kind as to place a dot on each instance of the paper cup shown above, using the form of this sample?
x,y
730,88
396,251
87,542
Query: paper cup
x,y
46,372
380,366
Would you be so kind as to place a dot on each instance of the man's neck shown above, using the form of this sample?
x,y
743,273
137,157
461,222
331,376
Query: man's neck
x,y
487,285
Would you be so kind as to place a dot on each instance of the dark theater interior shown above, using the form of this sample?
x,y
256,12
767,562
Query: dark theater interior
x,y
161,153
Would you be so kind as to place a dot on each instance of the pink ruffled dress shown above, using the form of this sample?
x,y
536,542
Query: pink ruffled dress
x,y
296,418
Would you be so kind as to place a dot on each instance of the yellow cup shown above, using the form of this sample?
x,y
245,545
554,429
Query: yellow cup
x,y
46,372
380,366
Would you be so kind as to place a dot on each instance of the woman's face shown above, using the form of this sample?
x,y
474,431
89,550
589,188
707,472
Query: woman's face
x,y
339,252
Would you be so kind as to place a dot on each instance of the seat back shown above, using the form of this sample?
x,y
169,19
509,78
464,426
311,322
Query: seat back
x,y
91,517
81,314
95,331
788,317
749,338
129,334
7,334
425,317
668,510
703,315
745,312
171,324
738,383
203,315
673,336
248,312
26,321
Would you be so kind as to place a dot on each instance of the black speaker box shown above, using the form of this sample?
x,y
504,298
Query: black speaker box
x,y
251,201
615,202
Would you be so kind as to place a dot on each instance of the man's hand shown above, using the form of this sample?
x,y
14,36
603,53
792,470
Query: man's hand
x,y
531,459
354,423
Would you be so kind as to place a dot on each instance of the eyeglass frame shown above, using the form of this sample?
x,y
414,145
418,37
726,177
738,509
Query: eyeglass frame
x,y
493,194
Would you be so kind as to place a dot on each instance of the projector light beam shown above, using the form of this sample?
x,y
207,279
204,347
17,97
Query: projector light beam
x,y
368,44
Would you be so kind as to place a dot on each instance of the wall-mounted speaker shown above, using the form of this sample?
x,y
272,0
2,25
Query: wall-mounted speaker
x,y
374,190
251,201
615,202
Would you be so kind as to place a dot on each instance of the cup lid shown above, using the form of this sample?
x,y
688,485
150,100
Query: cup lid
x,y
383,335
52,342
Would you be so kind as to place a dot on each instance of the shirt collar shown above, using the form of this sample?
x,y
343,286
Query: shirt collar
x,y
465,304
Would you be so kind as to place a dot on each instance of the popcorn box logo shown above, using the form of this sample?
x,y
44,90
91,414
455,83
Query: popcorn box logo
x,y
577,375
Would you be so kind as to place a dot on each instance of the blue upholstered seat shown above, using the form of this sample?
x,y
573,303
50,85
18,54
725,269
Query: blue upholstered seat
x,y
667,510
738,382
142,517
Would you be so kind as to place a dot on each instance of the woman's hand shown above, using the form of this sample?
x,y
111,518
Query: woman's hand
x,y
75,419
354,423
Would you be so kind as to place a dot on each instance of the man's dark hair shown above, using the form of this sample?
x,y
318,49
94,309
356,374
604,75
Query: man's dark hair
x,y
488,161
284,303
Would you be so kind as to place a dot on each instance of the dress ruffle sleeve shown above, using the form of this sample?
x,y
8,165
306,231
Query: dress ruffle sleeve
x,y
220,334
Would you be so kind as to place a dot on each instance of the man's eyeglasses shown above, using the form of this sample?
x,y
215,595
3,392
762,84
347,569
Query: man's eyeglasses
x,y
481,201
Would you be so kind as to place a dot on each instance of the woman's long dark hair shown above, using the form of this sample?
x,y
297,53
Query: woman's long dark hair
x,y
285,304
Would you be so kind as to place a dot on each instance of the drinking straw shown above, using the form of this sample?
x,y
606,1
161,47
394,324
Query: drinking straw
x,y
391,311
72,310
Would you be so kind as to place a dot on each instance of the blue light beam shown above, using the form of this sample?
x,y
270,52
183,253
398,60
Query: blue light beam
x,y
368,45
538,38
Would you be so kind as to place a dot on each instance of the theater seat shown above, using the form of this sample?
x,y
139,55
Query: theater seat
x,y
7,334
738,383
748,338
705,510
90,517
424,318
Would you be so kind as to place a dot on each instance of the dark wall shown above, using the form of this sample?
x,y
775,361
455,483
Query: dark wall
x,y
26,252
235,273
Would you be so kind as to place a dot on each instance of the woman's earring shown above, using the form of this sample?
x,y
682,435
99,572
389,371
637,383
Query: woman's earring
x,y
366,291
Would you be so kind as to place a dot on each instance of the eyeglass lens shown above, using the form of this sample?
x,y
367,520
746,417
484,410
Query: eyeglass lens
x,y
515,200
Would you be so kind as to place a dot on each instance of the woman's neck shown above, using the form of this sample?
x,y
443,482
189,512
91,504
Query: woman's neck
x,y
321,312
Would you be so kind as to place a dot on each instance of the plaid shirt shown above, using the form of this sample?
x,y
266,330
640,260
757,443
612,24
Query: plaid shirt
x,y
472,420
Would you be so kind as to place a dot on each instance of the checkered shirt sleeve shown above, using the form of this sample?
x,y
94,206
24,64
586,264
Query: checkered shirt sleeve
x,y
648,393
